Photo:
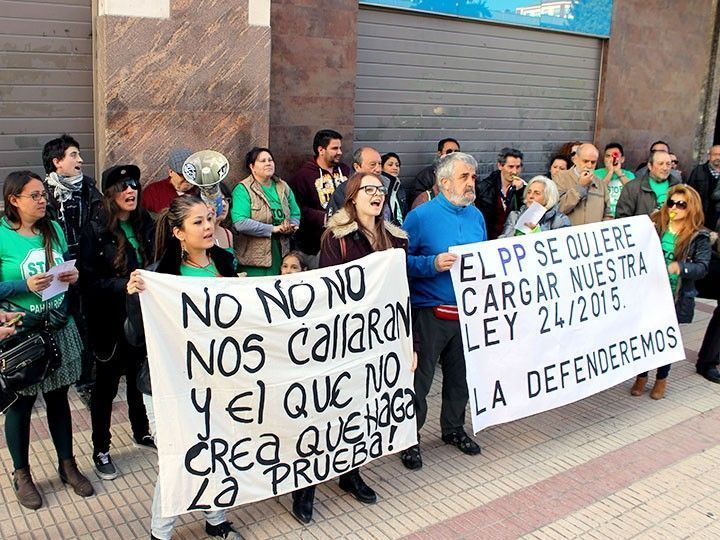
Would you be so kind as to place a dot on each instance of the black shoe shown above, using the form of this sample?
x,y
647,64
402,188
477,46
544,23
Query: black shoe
x,y
711,374
462,442
356,486
302,508
224,530
104,467
146,442
411,458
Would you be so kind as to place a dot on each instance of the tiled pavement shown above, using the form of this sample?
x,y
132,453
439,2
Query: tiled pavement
x,y
610,466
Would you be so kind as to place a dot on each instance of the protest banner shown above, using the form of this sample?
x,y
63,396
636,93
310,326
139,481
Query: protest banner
x,y
553,317
264,385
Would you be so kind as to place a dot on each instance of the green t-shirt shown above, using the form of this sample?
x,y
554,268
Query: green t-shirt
x,y
193,271
130,235
242,209
22,257
661,190
615,186
668,246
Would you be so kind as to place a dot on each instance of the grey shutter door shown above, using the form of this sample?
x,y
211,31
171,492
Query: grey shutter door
x,y
422,78
46,78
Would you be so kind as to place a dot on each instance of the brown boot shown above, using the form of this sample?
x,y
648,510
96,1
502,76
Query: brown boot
x,y
658,391
639,387
25,491
69,474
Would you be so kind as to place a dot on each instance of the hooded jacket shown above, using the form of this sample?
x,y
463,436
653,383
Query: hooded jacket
x,y
313,187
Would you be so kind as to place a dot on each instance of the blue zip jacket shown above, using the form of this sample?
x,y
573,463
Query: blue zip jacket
x,y
432,228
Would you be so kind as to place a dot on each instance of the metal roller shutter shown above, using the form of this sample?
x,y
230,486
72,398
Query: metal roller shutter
x,y
421,78
46,77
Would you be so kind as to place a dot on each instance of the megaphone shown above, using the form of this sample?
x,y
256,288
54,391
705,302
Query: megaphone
x,y
206,169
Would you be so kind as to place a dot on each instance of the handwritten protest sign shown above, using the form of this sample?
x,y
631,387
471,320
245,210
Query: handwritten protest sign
x,y
264,385
554,317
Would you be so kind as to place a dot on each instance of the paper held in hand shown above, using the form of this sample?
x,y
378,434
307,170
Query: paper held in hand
x,y
533,215
56,286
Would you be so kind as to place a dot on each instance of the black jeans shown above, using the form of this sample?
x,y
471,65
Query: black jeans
x,y
125,361
440,339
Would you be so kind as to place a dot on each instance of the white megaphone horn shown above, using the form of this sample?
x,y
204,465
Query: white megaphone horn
x,y
206,169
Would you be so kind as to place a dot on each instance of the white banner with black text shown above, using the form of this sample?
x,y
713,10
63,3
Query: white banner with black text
x,y
553,317
265,385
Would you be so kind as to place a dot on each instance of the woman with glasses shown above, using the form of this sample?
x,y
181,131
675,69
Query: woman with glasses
x,y
356,230
30,243
686,246
116,241
265,215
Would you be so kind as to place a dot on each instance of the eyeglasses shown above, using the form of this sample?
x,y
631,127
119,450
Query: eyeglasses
x,y
36,195
130,183
674,161
682,205
374,190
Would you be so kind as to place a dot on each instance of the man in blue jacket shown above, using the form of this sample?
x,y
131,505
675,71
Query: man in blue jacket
x,y
449,219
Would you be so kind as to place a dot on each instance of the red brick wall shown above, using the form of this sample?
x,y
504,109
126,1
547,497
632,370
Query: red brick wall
x,y
312,76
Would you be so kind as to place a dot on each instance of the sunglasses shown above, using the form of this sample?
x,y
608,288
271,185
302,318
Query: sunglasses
x,y
682,205
130,183
374,190
674,161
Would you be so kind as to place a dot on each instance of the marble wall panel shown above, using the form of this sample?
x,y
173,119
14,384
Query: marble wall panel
x,y
200,78
656,81
312,83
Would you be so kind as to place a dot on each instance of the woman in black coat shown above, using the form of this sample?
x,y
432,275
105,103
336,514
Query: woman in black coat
x,y
117,240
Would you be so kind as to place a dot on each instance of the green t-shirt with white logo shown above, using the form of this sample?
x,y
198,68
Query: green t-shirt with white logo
x,y
661,190
22,257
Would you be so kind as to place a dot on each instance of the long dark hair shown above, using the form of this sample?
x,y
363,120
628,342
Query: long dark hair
x,y
174,216
379,237
14,184
693,222
113,225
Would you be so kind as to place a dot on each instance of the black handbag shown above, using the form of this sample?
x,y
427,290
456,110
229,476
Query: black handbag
x,y
26,359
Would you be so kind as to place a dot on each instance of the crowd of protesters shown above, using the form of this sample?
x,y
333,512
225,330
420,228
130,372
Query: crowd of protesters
x,y
325,214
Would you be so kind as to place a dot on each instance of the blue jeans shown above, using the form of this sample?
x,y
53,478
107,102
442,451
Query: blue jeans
x,y
162,527
662,373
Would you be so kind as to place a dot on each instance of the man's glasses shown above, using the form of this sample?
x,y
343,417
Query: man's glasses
x,y
374,190
674,161
36,195
130,183
682,205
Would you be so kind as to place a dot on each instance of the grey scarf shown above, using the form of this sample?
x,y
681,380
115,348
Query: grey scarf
x,y
63,187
